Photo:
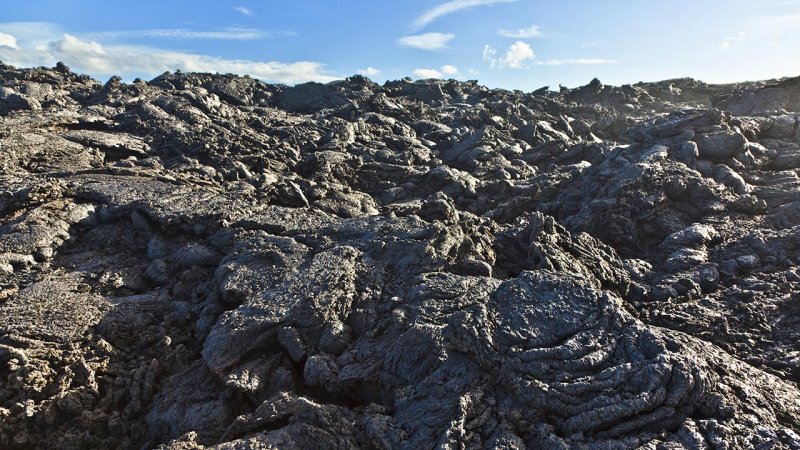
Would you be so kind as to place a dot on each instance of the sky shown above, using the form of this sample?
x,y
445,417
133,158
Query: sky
x,y
512,44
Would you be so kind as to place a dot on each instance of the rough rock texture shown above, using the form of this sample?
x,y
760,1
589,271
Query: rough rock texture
x,y
208,261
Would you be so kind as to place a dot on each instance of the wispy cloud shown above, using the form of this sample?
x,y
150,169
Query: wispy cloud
x,y
522,33
127,60
788,21
450,7
516,57
592,44
576,62
427,41
244,11
731,40
520,55
7,40
225,34
370,72
31,31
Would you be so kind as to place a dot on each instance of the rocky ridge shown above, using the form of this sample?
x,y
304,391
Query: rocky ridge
x,y
209,261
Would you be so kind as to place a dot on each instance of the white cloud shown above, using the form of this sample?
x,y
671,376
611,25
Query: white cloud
x,y
517,54
80,54
244,11
450,7
490,55
98,60
427,73
522,33
473,72
575,61
520,55
515,57
370,72
427,41
449,69
225,34
7,40
731,40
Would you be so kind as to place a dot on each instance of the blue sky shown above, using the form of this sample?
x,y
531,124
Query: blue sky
x,y
515,44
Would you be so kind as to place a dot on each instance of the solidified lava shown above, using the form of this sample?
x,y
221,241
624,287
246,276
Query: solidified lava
x,y
209,261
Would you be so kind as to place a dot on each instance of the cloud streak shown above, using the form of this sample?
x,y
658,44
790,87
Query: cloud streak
x,y
96,59
427,41
225,34
592,44
522,33
576,62
450,7
520,56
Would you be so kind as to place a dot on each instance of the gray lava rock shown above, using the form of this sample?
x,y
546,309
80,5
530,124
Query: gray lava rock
x,y
209,261
720,146
11,100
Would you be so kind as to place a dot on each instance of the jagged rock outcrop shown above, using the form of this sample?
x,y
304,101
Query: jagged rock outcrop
x,y
209,261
